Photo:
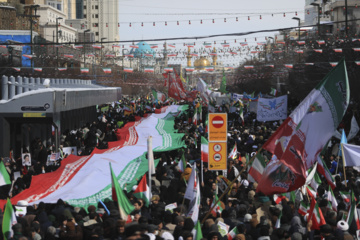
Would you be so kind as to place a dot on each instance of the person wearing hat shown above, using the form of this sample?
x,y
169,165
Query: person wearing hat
x,y
341,231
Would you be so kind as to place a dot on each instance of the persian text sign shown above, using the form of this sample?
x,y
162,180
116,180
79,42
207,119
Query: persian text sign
x,y
272,109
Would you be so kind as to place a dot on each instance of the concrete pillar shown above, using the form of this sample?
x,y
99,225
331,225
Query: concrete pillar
x,y
26,83
52,81
12,87
37,81
57,81
19,87
72,81
31,82
4,88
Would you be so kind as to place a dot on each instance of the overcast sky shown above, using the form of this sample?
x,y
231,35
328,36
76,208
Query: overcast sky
x,y
170,11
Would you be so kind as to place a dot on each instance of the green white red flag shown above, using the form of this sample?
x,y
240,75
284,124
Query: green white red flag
x,y
233,152
204,149
302,136
217,208
142,191
232,234
124,205
315,214
257,168
332,199
9,220
4,175
304,207
353,214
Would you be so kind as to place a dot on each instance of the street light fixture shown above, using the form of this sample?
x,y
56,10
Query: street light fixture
x,y
57,41
101,50
318,17
87,30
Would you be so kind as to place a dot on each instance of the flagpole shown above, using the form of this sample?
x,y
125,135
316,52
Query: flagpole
x,y
343,158
150,159
229,186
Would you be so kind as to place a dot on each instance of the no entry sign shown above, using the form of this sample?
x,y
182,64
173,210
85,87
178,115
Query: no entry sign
x,y
217,127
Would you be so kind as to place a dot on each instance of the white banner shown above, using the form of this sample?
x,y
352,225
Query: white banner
x,y
272,109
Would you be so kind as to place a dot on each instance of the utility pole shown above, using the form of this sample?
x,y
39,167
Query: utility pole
x,y
346,18
87,30
31,28
57,41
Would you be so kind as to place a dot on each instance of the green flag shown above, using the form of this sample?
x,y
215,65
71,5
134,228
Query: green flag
x,y
9,219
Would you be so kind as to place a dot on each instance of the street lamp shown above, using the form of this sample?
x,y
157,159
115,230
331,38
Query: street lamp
x,y
346,18
318,17
31,29
57,41
298,19
101,51
87,30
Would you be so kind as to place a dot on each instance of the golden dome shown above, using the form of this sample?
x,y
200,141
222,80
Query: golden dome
x,y
201,63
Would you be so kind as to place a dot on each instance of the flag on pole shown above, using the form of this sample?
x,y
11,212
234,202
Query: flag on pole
x,y
303,208
232,234
217,208
124,205
315,214
332,199
182,163
4,175
194,118
204,149
273,92
323,170
257,168
353,214
233,152
9,220
198,232
192,193
84,70
278,221
38,69
302,136
107,70
345,196
159,96
278,198
315,181
351,154
142,191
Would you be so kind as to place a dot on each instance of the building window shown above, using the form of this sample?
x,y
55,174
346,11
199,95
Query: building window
x,y
93,16
84,15
84,7
96,7
97,34
96,16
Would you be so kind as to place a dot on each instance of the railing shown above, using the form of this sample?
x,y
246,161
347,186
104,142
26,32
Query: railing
x,y
11,86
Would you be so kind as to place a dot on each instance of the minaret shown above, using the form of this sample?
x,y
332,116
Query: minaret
x,y
188,58
214,57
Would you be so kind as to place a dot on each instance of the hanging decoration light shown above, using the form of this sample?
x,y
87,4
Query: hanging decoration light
x,y
308,12
237,19
107,25
154,24
118,24
295,13
130,24
224,19
142,24
177,22
213,21
165,23
248,17
189,22
201,21
284,15
260,17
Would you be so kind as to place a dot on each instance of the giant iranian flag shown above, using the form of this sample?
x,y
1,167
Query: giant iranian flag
x,y
302,136
82,181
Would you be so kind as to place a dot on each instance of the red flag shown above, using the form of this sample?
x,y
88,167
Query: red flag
x,y
175,90
165,75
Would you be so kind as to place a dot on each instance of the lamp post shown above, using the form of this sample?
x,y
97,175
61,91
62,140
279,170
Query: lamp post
x,y
31,29
318,17
57,41
87,30
346,18
101,51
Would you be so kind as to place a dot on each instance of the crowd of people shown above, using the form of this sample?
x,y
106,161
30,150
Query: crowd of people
x,y
253,215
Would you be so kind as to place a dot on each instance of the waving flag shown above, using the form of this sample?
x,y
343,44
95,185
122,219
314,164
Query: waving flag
x,y
9,220
84,70
4,175
257,168
107,70
124,205
315,214
303,208
332,199
217,208
204,149
158,96
353,213
193,194
232,234
142,191
129,70
302,136
233,152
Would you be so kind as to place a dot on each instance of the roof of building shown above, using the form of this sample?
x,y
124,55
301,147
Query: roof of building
x,y
144,48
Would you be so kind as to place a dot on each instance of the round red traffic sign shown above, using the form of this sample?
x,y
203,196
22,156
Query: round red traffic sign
x,y
218,121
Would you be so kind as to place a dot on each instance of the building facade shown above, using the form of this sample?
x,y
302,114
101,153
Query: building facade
x,y
103,19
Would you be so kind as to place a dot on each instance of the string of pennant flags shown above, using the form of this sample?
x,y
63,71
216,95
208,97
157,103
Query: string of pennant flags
x,y
187,69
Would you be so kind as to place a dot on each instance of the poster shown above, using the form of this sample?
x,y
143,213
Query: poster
x,y
26,159
272,109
